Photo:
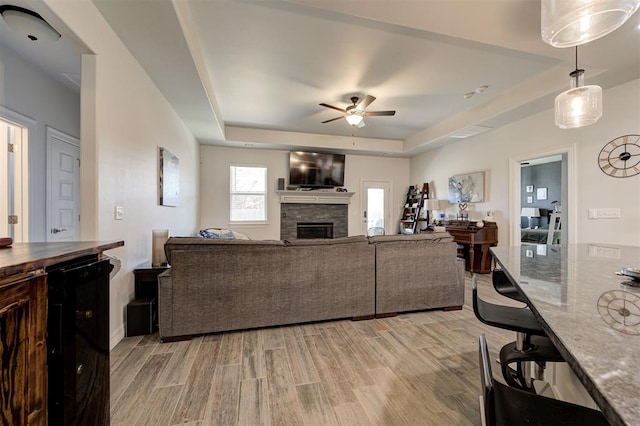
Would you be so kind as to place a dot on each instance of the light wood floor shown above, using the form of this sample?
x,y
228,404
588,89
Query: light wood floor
x,y
414,369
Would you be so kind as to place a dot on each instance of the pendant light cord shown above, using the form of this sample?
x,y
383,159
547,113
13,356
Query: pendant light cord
x,y
576,57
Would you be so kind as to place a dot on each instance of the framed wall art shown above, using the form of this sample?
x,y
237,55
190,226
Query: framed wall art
x,y
541,194
169,178
467,188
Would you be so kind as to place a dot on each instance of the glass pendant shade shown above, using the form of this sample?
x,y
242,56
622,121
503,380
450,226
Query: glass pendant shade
x,y
567,23
579,106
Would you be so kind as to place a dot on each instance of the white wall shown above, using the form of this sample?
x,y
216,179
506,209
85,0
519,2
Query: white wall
x,y
125,120
32,93
490,152
214,186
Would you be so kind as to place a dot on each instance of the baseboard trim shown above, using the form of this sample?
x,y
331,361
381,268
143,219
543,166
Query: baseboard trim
x,y
116,336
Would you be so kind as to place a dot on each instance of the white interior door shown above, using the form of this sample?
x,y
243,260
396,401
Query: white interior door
x,y
376,201
63,189
14,211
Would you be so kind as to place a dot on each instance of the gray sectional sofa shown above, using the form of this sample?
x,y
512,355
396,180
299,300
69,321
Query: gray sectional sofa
x,y
218,285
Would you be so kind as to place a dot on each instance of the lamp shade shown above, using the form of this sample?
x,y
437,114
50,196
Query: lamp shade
x,y
567,23
530,212
579,106
354,119
433,204
28,23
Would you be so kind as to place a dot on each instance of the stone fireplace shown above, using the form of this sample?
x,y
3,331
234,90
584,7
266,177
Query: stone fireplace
x,y
314,220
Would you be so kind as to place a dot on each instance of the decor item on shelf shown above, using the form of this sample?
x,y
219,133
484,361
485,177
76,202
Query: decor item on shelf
x,y
621,157
480,224
490,216
159,237
580,105
530,212
468,188
28,23
568,23
354,114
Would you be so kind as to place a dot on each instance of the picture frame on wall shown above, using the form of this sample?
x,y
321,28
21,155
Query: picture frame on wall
x,y
169,178
541,194
467,188
530,200
529,188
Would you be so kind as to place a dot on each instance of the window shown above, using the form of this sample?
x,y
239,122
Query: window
x,y
248,194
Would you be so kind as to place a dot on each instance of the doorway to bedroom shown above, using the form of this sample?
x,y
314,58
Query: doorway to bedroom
x,y
543,197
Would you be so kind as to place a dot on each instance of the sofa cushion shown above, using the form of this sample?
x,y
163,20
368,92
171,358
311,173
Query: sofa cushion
x,y
196,243
327,241
435,237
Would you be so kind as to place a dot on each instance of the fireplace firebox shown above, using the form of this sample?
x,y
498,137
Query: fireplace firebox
x,y
310,230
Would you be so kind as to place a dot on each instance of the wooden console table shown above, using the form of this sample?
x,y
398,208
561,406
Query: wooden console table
x,y
476,242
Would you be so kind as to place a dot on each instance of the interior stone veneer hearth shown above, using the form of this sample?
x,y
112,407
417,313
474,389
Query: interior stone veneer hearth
x,y
291,214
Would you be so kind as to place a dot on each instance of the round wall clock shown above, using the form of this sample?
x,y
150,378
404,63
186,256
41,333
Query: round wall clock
x,y
621,157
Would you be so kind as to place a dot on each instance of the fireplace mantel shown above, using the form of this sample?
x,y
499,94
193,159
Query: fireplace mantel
x,y
315,197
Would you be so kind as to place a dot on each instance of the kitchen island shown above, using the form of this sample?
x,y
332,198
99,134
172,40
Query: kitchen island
x,y
591,314
54,300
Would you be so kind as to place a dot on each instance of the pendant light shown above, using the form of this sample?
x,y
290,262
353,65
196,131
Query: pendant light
x,y
568,23
580,105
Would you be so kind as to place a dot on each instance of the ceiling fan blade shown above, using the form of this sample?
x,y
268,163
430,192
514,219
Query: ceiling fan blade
x,y
372,113
333,119
361,124
364,103
333,107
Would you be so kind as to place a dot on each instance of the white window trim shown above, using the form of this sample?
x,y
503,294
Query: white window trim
x,y
265,193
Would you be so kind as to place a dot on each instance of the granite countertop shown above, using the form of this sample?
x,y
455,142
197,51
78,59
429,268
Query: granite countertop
x,y
591,314
26,257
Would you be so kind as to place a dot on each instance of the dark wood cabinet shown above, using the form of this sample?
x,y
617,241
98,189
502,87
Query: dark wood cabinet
x,y
23,348
475,242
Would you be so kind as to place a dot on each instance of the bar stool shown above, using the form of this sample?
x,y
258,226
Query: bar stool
x,y
532,344
504,405
505,287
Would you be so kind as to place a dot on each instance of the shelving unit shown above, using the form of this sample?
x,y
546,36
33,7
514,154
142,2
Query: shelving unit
x,y
413,209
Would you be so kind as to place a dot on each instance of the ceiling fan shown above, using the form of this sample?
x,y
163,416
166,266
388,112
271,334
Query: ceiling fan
x,y
354,114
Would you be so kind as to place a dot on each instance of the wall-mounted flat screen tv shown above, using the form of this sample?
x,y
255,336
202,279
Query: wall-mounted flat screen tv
x,y
316,170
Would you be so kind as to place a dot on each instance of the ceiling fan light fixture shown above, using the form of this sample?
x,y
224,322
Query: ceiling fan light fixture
x,y
28,23
568,23
354,119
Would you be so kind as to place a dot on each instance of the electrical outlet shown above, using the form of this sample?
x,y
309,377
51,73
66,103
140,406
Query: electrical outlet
x,y
119,212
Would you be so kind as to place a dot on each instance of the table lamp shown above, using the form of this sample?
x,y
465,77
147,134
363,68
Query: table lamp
x,y
530,212
432,204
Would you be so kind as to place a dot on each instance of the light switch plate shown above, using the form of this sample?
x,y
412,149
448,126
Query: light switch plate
x,y
119,212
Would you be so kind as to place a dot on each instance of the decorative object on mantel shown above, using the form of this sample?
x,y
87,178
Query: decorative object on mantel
x,y
6,242
580,105
568,23
621,157
169,179
468,188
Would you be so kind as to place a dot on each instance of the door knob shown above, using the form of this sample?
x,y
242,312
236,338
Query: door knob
x,y
56,230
